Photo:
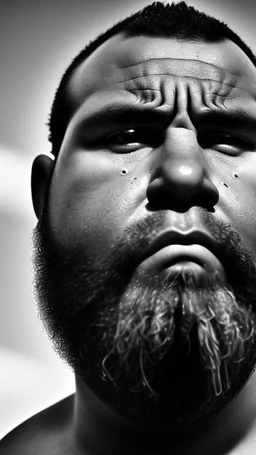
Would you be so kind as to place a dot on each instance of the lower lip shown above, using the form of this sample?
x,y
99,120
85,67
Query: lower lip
x,y
179,258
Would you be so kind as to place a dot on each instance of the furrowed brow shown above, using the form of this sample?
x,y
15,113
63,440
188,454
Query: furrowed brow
x,y
122,113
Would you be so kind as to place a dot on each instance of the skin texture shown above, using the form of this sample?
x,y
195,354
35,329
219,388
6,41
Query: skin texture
x,y
179,88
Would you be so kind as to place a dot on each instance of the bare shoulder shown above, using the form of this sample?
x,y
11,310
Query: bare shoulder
x,y
47,432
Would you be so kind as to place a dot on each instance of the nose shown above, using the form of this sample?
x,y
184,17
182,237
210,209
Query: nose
x,y
182,172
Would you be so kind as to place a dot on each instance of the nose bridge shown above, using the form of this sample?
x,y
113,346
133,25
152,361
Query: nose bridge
x,y
182,105
184,165
183,169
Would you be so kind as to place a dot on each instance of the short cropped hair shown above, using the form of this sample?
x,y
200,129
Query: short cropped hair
x,y
176,20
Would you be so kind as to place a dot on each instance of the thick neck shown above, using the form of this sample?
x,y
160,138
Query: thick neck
x,y
99,430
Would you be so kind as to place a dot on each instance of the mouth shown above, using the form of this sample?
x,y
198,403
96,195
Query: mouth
x,y
174,251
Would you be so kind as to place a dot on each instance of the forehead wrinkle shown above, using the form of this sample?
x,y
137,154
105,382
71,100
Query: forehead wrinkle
x,y
175,67
211,94
214,100
180,60
152,97
173,75
138,83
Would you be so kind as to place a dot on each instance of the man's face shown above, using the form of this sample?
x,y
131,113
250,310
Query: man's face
x,y
151,216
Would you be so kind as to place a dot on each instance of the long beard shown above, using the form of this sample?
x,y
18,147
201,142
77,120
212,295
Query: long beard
x,y
147,349
178,338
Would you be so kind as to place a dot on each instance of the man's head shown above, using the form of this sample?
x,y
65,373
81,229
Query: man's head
x,y
145,244
178,21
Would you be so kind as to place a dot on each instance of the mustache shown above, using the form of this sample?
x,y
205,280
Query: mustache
x,y
131,246
127,252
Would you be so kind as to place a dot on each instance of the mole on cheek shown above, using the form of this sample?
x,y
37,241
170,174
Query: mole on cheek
x,y
124,171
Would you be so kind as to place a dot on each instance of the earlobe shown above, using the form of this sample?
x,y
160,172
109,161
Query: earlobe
x,y
41,170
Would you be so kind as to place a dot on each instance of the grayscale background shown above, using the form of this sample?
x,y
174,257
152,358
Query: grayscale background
x,y
37,41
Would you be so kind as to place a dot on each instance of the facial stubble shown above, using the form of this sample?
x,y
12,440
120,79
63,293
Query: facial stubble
x,y
178,343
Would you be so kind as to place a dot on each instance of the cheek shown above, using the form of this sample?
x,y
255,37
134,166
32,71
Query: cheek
x,y
248,208
91,201
239,201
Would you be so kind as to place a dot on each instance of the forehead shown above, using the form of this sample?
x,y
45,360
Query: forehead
x,y
131,67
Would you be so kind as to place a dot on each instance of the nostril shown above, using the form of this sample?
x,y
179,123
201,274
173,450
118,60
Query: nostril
x,y
180,196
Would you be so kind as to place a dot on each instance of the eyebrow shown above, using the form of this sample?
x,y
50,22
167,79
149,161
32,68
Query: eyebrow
x,y
123,113
230,118
235,117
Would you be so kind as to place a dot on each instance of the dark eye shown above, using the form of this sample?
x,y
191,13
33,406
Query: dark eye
x,y
226,143
132,139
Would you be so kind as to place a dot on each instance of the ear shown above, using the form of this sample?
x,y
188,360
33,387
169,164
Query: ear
x,y
41,170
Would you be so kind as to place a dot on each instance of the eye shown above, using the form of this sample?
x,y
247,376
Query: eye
x,y
226,143
132,139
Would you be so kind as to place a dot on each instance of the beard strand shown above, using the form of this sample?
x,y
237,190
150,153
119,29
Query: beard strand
x,y
149,320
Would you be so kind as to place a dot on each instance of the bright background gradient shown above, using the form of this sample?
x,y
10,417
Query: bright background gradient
x,y
38,39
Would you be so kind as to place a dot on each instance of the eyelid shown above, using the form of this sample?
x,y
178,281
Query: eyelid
x,y
149,136
235,137
239,144
122,131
